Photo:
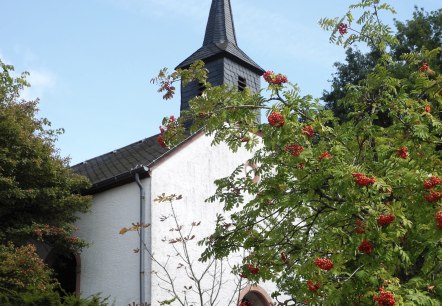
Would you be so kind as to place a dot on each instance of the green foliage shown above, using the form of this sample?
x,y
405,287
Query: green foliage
x,y
40,198
423,31
39,195
50,298
321,195
21,269
26,280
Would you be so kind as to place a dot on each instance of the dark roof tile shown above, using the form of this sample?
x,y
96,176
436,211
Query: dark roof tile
x,y
115,163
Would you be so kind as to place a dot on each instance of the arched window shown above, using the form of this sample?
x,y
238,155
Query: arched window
x,y
66,269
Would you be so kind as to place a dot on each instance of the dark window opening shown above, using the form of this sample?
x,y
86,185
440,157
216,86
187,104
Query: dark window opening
x,y
241,83
65,271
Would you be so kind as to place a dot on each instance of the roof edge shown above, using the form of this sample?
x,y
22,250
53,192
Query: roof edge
x,y
255,68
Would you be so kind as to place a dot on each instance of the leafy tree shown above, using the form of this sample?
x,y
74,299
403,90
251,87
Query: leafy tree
x,y
424,30
39,200
39,195
348,213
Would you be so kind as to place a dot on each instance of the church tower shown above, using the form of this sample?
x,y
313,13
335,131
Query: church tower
x,y
225,61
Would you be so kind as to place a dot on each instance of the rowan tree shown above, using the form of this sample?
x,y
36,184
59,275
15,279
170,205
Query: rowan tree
x,y
344,213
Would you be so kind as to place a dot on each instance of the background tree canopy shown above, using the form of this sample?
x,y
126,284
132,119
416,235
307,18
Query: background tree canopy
x,y
423,31
40,198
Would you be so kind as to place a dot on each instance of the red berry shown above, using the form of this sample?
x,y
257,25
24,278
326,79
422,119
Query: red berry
x,y
279,79
424,67
365,247
431,182
427,108
276,119
342,28
385,298
360,226
438,219
252,269
245,302
284,258
402,152
325,155
160,141
363,180
308,131
271,78
324,263
384,220
294,149
433,196
268,75
311,287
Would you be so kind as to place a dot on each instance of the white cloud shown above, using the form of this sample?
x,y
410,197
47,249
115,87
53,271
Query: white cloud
x,y
41,81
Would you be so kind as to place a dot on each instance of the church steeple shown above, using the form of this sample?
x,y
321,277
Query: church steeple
x,y
220,27
225,61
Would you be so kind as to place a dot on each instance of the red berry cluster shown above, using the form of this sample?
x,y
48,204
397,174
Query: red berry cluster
x,y
311,287
252,269
385,298
308,131
359,226
424,67
342,28
438,219
427,108
324,263
363,180
271,78
431,182
294,149
245,302
160,141
171,123
384,220
433,196
276,119
402,152
325,155
365,247
284,258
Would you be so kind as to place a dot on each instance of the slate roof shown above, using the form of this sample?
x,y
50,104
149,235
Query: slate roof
x,y
115,166
220,39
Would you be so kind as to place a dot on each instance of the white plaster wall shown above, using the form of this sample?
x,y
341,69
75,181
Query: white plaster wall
x,y
191,172
109,266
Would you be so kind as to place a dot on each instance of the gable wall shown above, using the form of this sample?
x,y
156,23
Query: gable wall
x,y
190,173
109,266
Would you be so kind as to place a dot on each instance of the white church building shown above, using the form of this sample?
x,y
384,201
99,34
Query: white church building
x,y
126,181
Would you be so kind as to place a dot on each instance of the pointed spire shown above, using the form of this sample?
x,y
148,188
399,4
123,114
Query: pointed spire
x,y
220,39
220,27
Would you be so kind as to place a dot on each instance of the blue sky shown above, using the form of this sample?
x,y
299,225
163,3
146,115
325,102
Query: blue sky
x,y
91,60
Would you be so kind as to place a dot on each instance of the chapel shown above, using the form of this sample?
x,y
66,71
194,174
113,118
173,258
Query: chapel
x,y
126,182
